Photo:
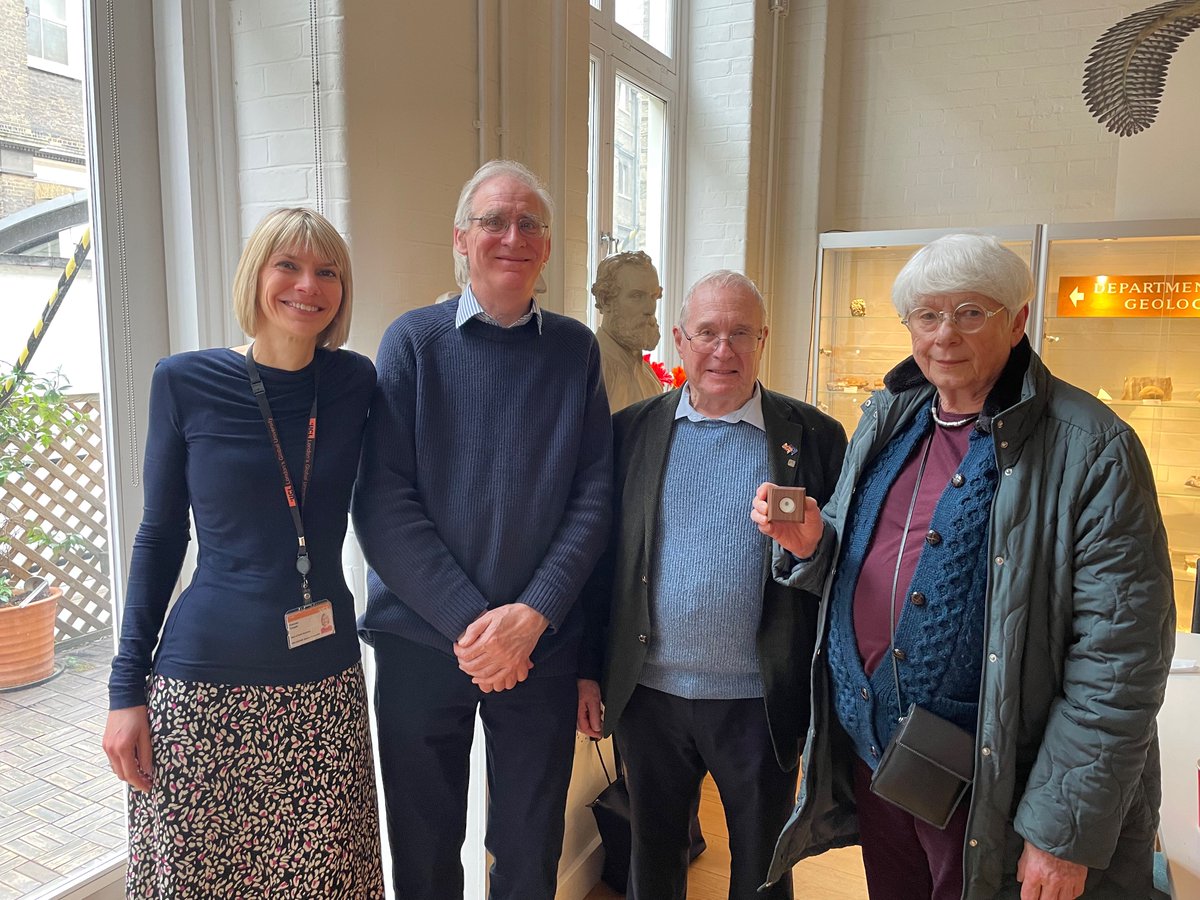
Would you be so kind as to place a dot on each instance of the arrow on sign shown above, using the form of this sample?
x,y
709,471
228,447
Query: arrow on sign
x,y
1076,296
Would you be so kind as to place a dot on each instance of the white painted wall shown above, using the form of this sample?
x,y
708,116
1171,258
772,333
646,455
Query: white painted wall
x,y
1157,175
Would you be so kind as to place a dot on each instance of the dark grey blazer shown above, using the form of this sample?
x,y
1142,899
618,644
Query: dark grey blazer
x,y
616,598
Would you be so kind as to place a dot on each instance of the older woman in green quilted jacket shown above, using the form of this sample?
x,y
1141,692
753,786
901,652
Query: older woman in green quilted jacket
x,y
993,554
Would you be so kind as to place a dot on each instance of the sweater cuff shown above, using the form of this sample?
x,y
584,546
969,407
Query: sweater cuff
x,y
803,574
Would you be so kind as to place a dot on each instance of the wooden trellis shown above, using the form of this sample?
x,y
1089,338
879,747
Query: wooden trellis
x,y
63,492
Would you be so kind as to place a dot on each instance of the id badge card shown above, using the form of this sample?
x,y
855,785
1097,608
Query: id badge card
x,y
306,624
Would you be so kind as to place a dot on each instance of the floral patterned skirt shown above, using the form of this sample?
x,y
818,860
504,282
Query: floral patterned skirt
x,y
258,791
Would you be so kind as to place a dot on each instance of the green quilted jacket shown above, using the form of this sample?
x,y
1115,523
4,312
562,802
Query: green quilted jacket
x,y
1078,642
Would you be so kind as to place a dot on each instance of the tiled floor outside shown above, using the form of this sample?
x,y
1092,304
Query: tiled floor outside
x,y
61,809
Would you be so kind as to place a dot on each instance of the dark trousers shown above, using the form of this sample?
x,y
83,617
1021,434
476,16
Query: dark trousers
x,y
905,858
668,744
425,707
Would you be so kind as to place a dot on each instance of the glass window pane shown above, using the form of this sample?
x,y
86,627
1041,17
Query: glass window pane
x,y
649,20
33,7
57,792
54,45
55,9
639,173
33,36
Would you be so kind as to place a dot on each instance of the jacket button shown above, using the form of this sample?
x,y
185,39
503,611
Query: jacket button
x,y
992,657
917,598
645,580
874,751
958,480
999,560
933,538
973,842
899,654
643,638
986,751
864,693
1008,471
1004,445
999,423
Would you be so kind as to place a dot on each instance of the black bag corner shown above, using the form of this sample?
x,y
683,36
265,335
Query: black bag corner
x,y
927,767
611,811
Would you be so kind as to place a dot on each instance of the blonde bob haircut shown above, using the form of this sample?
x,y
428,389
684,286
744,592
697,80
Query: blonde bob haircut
x,y
293,229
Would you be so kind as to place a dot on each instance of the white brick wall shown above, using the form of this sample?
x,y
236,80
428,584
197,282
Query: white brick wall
x,y
717,136
956,116
271,43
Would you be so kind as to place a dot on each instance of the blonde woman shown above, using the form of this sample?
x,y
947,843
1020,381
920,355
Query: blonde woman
x,y
241,722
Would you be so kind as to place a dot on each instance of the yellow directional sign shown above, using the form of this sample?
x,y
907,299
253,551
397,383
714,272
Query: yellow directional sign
x,y
1129,296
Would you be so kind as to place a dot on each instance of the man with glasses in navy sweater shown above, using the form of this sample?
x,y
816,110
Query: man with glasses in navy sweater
x,y
704,658
482,504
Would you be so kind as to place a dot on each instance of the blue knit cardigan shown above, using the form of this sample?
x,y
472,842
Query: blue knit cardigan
x,y
941,640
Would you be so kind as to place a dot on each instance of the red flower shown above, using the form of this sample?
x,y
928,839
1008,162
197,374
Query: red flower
x,y
678,377
660,371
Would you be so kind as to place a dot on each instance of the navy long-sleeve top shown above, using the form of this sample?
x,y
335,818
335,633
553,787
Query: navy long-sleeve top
x,y
207,449
486,478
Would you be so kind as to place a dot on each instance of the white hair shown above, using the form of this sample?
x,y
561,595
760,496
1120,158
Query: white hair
x,y
722,279
961,263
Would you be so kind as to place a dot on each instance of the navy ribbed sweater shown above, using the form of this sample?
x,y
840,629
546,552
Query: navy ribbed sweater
x,y
486,477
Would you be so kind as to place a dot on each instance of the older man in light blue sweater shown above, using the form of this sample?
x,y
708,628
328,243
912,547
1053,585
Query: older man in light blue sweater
x,y
703,657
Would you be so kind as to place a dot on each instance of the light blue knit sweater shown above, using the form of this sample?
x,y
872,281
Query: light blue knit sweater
x,y
709,565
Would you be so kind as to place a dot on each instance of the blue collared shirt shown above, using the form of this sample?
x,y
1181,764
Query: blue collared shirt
x,y
469,308
749,412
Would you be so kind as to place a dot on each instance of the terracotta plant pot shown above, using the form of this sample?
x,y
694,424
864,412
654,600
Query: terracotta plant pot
x,y
27,641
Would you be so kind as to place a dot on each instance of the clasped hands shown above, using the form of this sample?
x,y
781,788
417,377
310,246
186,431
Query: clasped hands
x,y
495,649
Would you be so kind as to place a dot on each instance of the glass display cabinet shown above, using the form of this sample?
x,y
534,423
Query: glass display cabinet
x,y
1116,312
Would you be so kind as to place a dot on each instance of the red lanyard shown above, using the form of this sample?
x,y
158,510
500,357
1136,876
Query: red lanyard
x,y
303,566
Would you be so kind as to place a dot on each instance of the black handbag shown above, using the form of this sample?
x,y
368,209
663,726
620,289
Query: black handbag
x,y
611,810
927,767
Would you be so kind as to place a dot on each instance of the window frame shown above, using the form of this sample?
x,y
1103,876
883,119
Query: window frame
x,y
615,52
74,25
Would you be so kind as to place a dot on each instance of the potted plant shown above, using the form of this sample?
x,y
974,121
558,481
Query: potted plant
x,y
33,409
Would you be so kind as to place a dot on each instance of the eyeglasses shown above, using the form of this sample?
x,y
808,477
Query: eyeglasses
x,y
966,319
708,341
497,224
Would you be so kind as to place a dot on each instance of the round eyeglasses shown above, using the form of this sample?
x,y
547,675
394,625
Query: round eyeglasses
x,y
529,226
706,341
966,318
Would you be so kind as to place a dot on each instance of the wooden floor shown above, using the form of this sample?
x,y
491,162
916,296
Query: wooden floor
x,y
836,875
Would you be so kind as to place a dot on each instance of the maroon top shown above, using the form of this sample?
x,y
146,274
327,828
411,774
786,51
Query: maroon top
x,y
872,623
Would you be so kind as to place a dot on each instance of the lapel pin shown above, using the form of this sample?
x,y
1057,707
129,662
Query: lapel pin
x,y
788,449
791,464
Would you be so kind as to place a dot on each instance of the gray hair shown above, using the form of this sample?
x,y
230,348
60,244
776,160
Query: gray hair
x,y
721,280
495,168
961,263
606,287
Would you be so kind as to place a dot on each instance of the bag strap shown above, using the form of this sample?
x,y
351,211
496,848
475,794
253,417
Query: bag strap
x,y
600,756
896,575
616,760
